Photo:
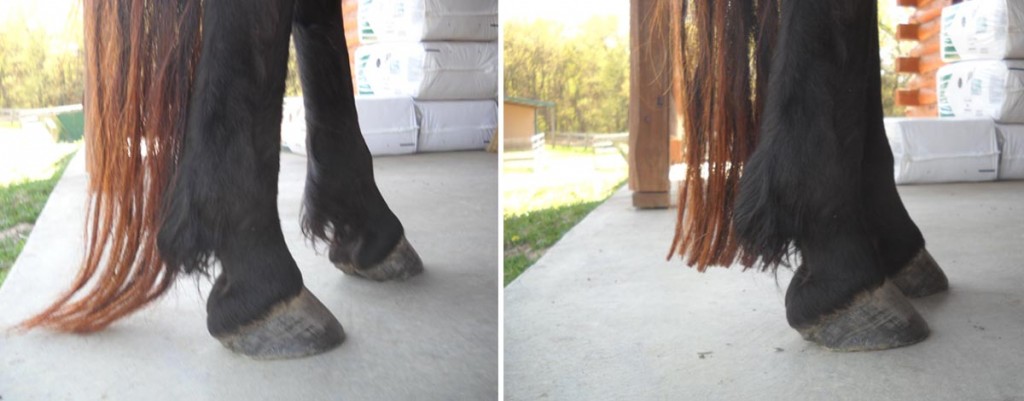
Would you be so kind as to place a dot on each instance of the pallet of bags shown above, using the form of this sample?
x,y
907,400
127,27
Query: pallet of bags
x,y
939,150
429,70
427,20
982,88
983,29
456,125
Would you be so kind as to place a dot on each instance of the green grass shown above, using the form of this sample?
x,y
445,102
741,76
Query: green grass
x,y
545,194
529,235
20,204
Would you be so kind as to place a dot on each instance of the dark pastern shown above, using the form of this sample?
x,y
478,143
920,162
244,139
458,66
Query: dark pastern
x,y
840,316
369,257
259,306
841,299
876,319
295,327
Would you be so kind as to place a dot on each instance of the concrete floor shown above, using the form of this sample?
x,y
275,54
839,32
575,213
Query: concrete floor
x,y
434,337
602,316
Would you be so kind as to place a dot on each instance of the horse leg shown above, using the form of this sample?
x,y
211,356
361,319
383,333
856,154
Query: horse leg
x,y
224,196
804,182
366,239
900,243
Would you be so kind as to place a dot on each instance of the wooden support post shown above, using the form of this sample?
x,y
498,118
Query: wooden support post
x,y
650,106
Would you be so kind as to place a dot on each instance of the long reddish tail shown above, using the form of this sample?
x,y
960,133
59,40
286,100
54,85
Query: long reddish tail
x,y
721,71
140,57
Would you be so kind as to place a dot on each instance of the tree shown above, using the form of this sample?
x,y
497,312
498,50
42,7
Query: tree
x,y
39,69
585,72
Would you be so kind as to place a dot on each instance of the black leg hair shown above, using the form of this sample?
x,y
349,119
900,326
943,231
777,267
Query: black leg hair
x,y
805,184
224,199
342,204
899,239
900,244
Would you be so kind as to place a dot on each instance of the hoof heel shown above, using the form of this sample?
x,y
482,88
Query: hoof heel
x,y
879,319
403,262
301,326
921,277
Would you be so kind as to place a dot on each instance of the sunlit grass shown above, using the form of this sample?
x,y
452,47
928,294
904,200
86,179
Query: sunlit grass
x,y
545,196
29,154
560,177
29,170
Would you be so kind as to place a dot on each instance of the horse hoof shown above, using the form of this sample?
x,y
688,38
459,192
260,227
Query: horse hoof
x,y
879,319
295,328
921,277
403,262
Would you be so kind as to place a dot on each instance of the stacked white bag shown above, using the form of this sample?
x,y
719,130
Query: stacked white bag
x,y
983,40
441,53
388,124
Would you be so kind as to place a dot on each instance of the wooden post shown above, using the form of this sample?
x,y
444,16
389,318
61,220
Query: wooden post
x,y
650,106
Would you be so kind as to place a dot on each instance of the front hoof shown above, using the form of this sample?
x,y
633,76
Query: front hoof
x,y
879,319
921,277
403,262
301,326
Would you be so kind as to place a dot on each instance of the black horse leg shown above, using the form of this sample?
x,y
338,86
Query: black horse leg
x,y
900,243
224,196
366,238
804,182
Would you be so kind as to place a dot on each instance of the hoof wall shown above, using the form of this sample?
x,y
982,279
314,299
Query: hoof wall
x,y
403,262
921,277
879,319
295,328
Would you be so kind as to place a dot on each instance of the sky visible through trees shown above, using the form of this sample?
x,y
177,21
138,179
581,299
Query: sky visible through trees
x,y
577,55
573,53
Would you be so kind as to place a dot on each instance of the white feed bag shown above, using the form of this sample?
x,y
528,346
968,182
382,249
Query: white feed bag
x,y
993,89
429,70
427,20
388,124
449,125
936,150
983,29
1011,151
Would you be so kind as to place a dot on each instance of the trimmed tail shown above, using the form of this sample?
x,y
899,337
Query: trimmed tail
x,y
140,56
721,73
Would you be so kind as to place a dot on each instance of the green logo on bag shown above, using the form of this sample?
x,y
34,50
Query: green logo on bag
x,y
945,109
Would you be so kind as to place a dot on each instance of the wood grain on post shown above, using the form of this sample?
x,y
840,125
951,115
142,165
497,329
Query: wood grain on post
x,y
650,108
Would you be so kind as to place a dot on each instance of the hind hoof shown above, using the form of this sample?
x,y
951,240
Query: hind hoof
x,y
403,262
879,319
921,277
295,328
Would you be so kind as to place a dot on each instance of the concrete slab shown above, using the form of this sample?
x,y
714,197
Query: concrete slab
x,y
602,316
433,337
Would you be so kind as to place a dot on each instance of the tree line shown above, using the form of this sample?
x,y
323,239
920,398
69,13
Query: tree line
x,y
40,68
585,72
43,69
